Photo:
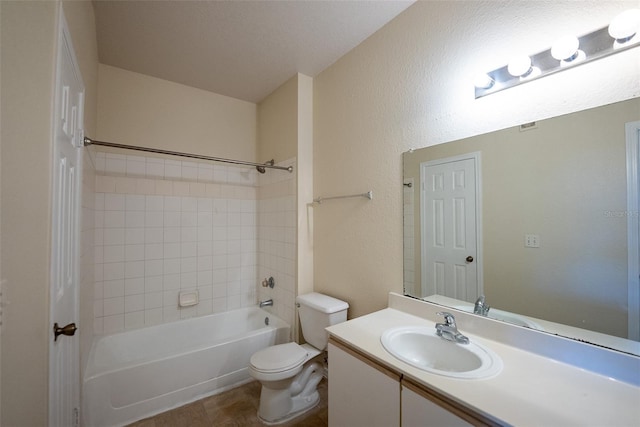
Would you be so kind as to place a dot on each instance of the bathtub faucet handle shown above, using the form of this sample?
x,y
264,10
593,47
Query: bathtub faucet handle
x,y
270,282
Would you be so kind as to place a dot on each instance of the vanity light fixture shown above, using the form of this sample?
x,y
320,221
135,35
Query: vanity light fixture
x,y
623,33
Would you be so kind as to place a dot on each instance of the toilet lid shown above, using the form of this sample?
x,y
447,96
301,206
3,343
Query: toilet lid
x,y
279,357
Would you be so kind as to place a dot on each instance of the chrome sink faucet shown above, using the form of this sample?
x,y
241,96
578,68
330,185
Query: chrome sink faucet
x,y
481,306
266,303
449,331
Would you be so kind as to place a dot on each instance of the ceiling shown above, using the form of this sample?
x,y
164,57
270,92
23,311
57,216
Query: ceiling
x,y
241,49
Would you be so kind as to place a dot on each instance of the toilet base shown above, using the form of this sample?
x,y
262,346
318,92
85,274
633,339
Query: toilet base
x,y
281,401
300,407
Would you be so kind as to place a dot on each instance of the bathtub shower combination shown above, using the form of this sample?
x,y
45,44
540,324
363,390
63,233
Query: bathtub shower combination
x,y
135,374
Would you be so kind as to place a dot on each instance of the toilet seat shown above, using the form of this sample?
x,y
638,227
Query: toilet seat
x,y
278,361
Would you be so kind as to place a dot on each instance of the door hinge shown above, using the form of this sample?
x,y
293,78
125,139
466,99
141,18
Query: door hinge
x,y
76,417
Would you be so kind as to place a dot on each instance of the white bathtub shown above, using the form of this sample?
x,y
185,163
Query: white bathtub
x,y
135,374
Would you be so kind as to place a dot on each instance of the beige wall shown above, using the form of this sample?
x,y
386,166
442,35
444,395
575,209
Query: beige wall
x,y
304,192
135,109
277,120
409,86
28,48
563,176
27,76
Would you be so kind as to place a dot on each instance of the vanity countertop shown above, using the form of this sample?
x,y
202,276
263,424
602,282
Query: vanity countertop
x,y
531,389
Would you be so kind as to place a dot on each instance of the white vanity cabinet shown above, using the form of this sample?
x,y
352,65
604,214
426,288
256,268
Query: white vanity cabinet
x,y
364,393
361,393
421,408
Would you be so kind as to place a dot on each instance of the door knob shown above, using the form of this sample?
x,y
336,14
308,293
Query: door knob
x,y
68,330
469,258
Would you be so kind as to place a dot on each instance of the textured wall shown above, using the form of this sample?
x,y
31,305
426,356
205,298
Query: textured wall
x,y
410,85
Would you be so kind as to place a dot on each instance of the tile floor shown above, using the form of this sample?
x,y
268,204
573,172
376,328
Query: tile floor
x,y
237,407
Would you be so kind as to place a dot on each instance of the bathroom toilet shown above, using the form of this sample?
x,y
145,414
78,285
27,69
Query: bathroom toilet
x,y
287,372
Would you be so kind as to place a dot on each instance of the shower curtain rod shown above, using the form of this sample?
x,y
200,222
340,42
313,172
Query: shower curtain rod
x,y
261,167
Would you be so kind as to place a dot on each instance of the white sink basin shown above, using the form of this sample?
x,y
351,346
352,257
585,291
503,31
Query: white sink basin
x,y
422,348
504,316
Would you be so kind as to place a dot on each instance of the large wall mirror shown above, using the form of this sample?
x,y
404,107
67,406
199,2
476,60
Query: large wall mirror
x,y
536,219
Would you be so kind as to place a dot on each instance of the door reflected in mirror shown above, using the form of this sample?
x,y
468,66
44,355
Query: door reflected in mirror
x,y
546,223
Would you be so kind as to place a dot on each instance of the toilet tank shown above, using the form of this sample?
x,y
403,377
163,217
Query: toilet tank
x,y
318,311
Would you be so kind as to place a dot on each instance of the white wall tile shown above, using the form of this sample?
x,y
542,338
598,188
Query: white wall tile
x,y
113,253
188,280
172,169
115,165
153,316
171,249
113,219
154,235
154,251
172,219
154,169
205,173
189,171
188,249
153,300
133,269
113,271
188,219
154,219
134,320
113,324
153,267
133,303
170,299
135,202
134,286
136,168
171,282
205,279
172,204
134,236
189,204
153,284
154,203
113,306
134,252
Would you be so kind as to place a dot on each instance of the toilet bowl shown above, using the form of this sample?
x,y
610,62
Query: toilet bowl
x,y
289,373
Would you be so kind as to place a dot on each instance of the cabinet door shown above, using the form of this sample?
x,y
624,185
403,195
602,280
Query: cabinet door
x,y
418,410
361,393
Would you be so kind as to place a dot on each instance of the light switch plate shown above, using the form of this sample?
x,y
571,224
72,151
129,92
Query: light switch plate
x,y
531,240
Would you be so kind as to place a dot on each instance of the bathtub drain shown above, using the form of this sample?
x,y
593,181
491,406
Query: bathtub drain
x,y
266,321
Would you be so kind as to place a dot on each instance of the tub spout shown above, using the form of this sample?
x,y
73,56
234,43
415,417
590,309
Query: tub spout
x,y
266,303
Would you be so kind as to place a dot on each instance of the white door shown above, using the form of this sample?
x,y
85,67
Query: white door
x,y
64,361
450,227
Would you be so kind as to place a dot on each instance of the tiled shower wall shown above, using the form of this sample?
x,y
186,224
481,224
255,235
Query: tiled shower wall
x,y
277,240
165,226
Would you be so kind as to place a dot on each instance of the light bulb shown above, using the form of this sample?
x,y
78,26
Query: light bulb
x,y
624,26
483,81
565,48
520,66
